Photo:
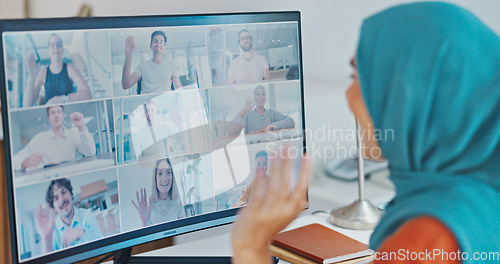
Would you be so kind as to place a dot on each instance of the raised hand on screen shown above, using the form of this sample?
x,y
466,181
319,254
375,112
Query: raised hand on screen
x,y
249,105
129,46
143,206
33,66
78,120
44,220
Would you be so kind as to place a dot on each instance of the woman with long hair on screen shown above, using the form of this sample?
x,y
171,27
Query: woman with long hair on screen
x,y
431,73
57,78
164,204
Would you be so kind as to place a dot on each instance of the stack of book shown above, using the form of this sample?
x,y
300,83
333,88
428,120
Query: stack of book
x,y
315,243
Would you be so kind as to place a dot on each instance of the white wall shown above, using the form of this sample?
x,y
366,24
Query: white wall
x,y
11,9
330,28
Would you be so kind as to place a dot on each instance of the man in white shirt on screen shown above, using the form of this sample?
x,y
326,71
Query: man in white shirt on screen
x,y
155,131
58,144
157,74
59,223
249,67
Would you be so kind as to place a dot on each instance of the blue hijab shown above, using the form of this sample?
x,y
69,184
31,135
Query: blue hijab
x,y
430,75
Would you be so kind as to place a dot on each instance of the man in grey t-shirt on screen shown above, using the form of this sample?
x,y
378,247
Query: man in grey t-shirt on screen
x,y
157,74
258,119
249,67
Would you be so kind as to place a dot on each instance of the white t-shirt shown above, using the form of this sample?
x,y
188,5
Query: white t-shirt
x,y
143,138
157,78
248,71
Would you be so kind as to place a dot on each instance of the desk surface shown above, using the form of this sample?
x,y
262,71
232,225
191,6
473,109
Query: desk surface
x,y
66,168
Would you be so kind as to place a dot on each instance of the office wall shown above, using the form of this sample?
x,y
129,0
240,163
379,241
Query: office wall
x,y
11,9
333,41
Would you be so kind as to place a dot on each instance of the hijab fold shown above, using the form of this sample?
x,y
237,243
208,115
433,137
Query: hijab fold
x,y
430,72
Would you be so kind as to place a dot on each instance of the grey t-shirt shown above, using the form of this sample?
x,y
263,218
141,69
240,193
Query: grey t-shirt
x,y
253,121
157,78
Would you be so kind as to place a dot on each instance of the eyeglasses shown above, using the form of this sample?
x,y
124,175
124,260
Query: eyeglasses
x,y
245,38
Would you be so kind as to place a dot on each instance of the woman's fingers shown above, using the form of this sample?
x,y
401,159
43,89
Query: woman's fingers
x,y
287,167
274,175
281,172
300,191
259,190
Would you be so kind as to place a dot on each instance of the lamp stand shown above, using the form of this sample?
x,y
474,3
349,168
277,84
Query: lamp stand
x,y
361,214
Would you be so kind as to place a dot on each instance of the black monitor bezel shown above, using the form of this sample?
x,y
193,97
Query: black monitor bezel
x,y
118,242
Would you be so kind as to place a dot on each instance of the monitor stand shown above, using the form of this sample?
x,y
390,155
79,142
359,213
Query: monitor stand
x,y
124,257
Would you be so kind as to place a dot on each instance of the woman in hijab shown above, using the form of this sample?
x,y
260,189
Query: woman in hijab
x,y
431,73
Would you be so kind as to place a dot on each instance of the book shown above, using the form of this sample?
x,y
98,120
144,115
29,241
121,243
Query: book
x,y
315,243
296,259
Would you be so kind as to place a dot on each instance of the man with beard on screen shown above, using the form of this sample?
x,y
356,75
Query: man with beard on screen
x,y
59,223
249,67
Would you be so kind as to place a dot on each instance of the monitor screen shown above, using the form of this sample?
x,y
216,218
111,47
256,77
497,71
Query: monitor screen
x,y
124,130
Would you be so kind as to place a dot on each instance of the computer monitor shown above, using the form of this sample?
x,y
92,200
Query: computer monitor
x,y
123,130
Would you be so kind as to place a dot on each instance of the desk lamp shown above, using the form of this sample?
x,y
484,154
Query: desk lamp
x,y
361,214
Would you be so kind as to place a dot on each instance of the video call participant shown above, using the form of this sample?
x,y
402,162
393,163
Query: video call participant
x,y
155,130
249,67
57,144
259,119
165,204
57,78
157,74
59,223
261,160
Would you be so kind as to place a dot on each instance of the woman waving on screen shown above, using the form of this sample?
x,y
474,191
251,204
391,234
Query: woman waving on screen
x,y
57,78
165,204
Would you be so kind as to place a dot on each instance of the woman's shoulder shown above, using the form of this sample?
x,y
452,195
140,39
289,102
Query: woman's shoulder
x,y
420,234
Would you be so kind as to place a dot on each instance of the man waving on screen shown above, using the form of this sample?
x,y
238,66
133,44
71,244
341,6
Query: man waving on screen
x,y
156,74
59,223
